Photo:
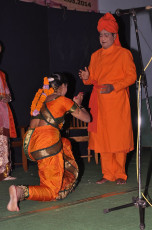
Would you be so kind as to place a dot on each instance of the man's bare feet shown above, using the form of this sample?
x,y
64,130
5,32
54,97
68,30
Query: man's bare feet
x,y
102,181
13,203
120,181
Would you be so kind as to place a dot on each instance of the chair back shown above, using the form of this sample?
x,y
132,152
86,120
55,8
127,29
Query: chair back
x,y
78,132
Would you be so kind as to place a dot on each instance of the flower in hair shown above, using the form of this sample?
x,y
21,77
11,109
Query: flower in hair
x,y
45,83
40,102
50,79
45,86
36,98
35,112
50,91
40,97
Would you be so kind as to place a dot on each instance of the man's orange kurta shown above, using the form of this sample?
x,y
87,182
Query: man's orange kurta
x,y
114,127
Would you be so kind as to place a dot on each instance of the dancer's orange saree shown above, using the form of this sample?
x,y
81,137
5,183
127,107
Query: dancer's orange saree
x,y
57,168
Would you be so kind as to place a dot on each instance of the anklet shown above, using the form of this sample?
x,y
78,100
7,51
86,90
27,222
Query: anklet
x,y
25,193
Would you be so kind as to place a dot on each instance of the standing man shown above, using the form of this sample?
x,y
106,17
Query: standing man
x,y
111,71
7,128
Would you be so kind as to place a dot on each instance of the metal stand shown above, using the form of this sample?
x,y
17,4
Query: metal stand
x,y
138,201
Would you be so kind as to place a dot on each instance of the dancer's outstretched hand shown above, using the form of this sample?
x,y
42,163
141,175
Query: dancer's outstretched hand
x,y
79,98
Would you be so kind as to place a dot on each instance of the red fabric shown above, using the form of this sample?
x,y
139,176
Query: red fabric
x,y
12,129
3,79
93,104
108,22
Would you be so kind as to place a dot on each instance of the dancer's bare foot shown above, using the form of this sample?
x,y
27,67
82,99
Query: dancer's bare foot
x,y
102,181
120,181
13,203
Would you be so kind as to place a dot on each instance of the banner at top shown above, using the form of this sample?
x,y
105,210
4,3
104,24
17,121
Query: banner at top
x,y
80,5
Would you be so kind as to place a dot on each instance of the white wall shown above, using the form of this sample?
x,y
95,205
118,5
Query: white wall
x,y
144,29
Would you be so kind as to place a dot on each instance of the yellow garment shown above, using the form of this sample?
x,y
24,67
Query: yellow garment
x,y
58,172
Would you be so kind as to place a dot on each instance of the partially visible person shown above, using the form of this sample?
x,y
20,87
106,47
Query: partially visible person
x,y
7,128
111,71
57,168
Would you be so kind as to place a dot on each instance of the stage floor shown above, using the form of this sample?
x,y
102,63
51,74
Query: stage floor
x,y
83,208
